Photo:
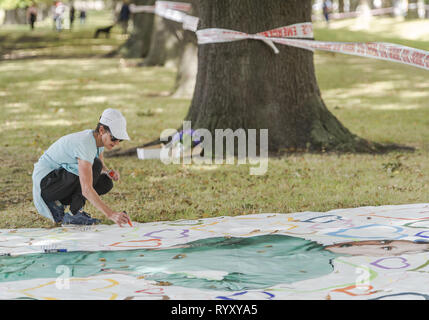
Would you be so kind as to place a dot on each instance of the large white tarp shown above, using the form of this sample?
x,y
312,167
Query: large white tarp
x,y
369,273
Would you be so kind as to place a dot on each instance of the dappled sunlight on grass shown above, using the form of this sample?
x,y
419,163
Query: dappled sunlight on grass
x,y
414,94
395,107
364,95
34,121
17,107
61,62
56,104
56,82
111,86
44,87
11,67
92,100
59,122
413,29
201,167
376,89
113,71
355,83
44,42
113,99
7,125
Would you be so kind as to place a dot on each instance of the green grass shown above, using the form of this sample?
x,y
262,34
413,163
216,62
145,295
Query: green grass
x,y
53,84
18,42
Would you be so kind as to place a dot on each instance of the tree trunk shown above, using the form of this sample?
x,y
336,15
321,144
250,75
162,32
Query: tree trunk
x,y
341,6
421,11
354,4
388,4
138,44
415,9
187,67
43,12
15,16
165,43
346,5
188,62
243,84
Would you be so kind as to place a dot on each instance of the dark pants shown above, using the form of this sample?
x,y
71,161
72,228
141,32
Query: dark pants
x,y
65,186
32,20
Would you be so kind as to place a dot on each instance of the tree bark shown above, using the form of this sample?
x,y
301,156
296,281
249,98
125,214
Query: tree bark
x,y
340,6
165,43
138,44
354,4
187,67
15,16
188,62
245,85
43,12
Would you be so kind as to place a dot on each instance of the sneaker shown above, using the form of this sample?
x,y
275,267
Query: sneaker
x,y
80,218
57,210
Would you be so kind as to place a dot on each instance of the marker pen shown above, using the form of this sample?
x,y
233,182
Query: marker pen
x,y
129,221
55,250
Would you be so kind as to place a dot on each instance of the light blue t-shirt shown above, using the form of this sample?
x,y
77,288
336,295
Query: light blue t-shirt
x,y
63,153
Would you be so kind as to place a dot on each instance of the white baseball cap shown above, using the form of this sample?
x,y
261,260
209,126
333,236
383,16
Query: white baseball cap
x,y
116,122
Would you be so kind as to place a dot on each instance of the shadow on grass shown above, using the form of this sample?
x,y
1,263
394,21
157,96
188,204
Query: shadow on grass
x,y
345,35
48,44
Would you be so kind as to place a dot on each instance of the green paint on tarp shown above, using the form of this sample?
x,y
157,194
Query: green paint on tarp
x,y
216,263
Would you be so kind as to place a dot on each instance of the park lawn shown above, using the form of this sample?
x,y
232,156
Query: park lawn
x,y
47,92
18,42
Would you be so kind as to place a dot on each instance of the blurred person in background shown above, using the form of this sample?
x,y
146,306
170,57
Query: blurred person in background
x,y
327,9
72,15
82,16
124,16
32,15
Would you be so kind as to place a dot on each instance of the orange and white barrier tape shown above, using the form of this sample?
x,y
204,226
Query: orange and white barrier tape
x,y
373,12
163,8
140,9
294,35
172,11
190,23
170,5
376,50
216,35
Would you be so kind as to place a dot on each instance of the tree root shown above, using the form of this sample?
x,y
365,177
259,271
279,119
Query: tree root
x,y
133,151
